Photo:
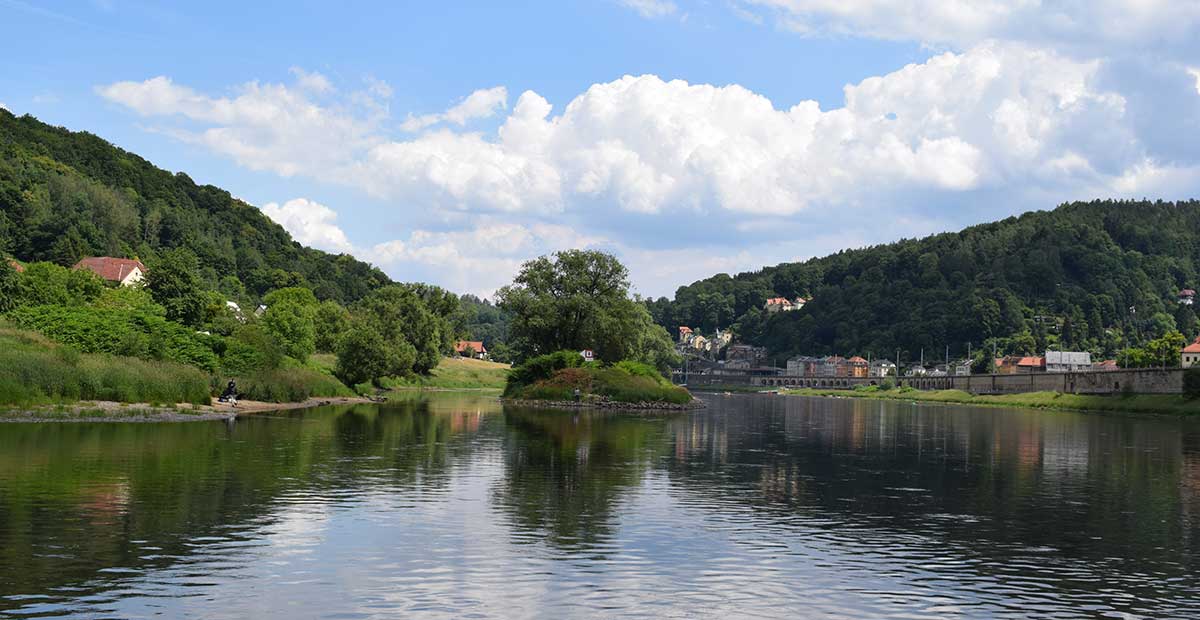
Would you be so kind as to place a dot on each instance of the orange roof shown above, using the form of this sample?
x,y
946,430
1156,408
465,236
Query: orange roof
x,y
111,269
683,329
857,360
17,267
1194,347
1031,361
475,345
778,301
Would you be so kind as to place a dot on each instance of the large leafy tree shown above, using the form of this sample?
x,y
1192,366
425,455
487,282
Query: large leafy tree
x,y
579,299
174,282
401,318
291,318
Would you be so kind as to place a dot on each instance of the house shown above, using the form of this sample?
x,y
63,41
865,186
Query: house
x,y
587,355
800,302
1187,296
856,367
119,271
1190,356
1106,365
754,355
1068,361
882,368
17,267
475,346
916,371
832,366
236,310
700,343
961,369
940,370
776,304
1014,364
685,334
804,366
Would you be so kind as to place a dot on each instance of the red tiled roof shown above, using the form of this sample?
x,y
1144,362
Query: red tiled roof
x,y
683,329
857,360
1194,347
778,301
1031,361
17,267
475,345
1187,292
111,269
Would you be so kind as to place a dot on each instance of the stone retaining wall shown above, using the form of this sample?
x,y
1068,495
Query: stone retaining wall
x,y
1139,381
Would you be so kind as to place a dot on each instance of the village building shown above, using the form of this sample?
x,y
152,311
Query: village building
x,y
803,366
1016,364
1190,356
882,368
1187,296
778,304
800,302
1068,361
474,348
17,267
119,271
685,334
1106,365
856,367
833,366
754,355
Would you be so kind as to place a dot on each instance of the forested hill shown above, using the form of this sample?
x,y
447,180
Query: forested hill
x,y
1067,277
66,195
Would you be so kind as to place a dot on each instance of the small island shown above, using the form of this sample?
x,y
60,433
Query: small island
x,y
582,340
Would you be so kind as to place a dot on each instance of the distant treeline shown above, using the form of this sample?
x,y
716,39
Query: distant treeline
x,y
1099,276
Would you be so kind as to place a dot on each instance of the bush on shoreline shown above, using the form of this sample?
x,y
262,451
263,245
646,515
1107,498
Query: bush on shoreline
x,y
34,371
556,376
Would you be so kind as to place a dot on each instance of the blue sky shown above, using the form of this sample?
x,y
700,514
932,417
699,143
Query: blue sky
x,y
447,142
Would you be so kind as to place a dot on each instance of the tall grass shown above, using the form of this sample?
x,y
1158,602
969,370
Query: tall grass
x,y
290,385
35,371
1119,403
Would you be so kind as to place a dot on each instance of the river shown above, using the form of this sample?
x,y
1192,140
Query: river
x,y
451,506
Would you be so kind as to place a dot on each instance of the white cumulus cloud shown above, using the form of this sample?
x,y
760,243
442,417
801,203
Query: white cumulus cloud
x,y
483,103
651,9
310,223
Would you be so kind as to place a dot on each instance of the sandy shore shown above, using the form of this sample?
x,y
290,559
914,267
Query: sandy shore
x,y
108,411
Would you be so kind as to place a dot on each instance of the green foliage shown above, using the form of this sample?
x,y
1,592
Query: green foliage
x,y
398,314
627,382
250,349
174,282
10,286
365,355
479,319
290,385
579,300
65,195
119,332
47,283
35,371
1191,383
540,368
1080,268
332,320
291,319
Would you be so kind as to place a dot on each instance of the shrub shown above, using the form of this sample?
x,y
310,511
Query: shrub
x,y
887,384
34,371
120,332
288,385
540,368
1191,383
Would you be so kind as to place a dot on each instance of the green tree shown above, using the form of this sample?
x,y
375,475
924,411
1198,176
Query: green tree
x,y
567,301
332,320
399,315
9,286
366,355
50,284
291,319
174,282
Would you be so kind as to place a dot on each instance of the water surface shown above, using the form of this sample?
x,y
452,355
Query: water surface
x,y
450,506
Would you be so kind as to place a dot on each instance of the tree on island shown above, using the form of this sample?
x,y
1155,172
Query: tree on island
x,y
579,299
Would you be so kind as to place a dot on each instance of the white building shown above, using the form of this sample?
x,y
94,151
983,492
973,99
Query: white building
x,y
1068,361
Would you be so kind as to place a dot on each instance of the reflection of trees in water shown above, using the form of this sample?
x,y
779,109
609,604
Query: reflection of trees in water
x,y
995,481
74,496
566,472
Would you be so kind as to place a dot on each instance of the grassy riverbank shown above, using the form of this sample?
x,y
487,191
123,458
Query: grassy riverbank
x,y
457,373
1130,403
557,376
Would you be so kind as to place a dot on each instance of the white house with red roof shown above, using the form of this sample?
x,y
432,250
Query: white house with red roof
x,y
1190,356
462,347
119,271
776,304
1187,297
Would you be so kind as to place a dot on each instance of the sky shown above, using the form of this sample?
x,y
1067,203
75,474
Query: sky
x,y
450,142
